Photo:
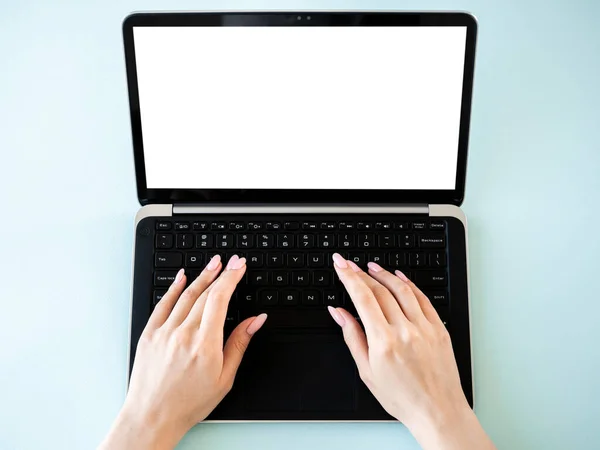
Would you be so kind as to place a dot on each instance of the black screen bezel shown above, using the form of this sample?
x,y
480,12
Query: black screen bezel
x,y
305,195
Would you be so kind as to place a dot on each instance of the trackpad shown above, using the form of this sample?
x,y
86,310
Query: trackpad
x,y
291,372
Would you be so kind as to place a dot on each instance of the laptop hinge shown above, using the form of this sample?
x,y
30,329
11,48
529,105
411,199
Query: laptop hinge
x,y
302,209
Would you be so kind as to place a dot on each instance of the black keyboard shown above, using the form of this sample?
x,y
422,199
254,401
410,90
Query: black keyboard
x,y
289,264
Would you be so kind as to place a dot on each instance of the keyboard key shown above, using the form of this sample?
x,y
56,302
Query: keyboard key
x,y
431,278
200,226
164,277
406,240
275,260
246,297
419,226
163,226
218,226
366,240
185,240
182,226
437,259
417,259
258,278
291,226
327,226
437,225
237,226
378,258
346,226
309,225
401,225
204,240
357,258
290,297
397,259
194,260
158,295
306,241
311,297
265,240
280,278
255,226
364,226
164,241
383,226
386,240
300,278
295,260
432,241
171,259
438,298
321,278
333,298
316,260
268,298
326,241
224,240
273,226
244,240
317,318
285,241
254,260
346,240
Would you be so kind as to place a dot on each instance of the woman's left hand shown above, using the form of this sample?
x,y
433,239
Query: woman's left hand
x,y
182,370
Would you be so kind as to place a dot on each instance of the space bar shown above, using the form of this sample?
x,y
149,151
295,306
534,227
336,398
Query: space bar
x,y
299,319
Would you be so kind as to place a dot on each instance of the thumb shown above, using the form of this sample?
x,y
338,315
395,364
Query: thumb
x,y
238,342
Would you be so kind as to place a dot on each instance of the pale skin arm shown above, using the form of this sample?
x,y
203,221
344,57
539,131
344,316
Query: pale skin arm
x,y
405,358
182,370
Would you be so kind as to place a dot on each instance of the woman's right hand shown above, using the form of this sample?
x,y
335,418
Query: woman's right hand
x,y
405,357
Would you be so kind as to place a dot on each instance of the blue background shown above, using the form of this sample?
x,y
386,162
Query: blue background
x,y
68,202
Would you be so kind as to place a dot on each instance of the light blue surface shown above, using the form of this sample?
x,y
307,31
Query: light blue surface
x,y
68,202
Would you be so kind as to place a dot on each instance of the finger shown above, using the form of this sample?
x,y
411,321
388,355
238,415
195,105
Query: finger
x,y
237,343
363,298
193,292
215,310
401,290
387,302
194,318
426,306
165,305
355,339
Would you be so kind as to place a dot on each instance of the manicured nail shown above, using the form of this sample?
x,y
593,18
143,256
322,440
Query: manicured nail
x,y
214,262
374,267
231,261
339,261
256,324
401,276
336,316
179,276
354,267
237,264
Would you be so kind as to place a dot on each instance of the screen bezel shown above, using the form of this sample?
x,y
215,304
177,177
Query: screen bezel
x,y
305,195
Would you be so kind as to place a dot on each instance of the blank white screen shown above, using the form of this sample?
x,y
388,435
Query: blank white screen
x,y
300,107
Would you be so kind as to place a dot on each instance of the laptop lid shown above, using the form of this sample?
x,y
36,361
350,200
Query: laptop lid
x,y
307,107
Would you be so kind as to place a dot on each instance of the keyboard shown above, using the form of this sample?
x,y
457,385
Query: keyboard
x,y
290,272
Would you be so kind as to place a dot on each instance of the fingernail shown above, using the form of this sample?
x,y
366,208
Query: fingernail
x,y
336,316
374,267
354,267
401,276
339,261
238,264
214,262
257,323
179,276
231,261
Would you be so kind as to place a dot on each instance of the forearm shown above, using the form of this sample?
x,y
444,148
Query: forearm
x,y
132,433
455,430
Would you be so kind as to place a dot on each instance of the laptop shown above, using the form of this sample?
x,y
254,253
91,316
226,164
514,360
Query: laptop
x,y
285,137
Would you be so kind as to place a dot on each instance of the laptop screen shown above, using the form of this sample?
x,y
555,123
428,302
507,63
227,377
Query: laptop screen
x,y
300,107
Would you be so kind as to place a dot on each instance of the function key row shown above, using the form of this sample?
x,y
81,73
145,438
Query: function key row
x,y
292,226
301,241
